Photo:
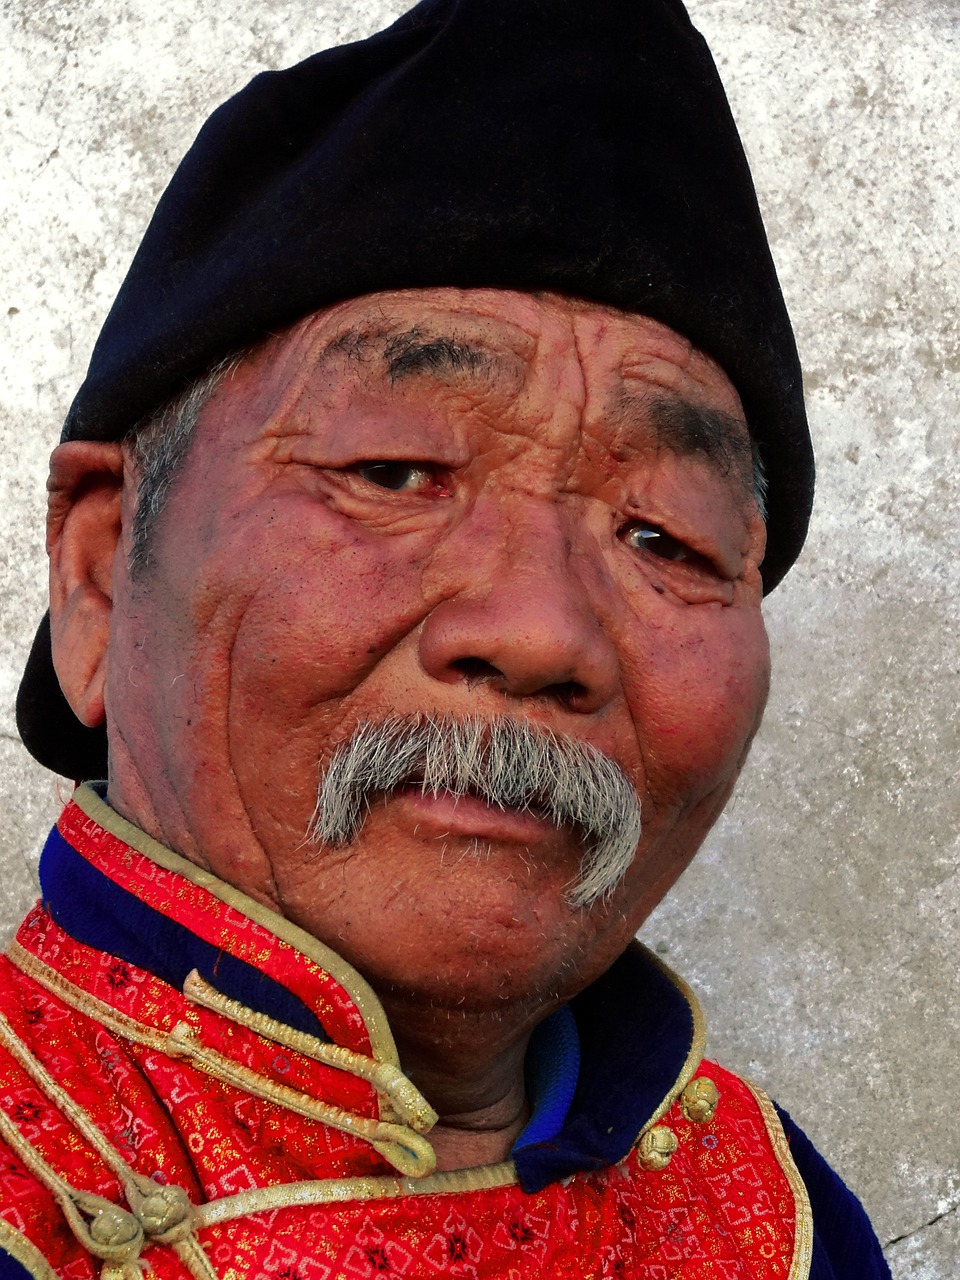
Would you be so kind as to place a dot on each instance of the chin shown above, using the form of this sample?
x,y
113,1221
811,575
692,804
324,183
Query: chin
x,y
501,954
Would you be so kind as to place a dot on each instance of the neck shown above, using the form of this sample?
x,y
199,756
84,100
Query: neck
x,y
476,1086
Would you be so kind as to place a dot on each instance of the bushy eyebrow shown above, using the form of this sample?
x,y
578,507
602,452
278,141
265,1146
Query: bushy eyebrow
x,y
693,430
411,353
415,351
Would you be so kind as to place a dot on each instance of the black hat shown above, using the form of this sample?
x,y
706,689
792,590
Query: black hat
x,y
580,146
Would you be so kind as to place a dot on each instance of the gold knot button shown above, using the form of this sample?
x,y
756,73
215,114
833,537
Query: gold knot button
x,y
164,1210
115,1234
699,1100
655,1148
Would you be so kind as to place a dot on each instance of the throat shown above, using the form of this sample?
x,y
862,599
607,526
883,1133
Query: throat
x,y
483,1137
480,1098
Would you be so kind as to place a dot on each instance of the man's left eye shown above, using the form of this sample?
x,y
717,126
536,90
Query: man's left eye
x,y
399,476
650,537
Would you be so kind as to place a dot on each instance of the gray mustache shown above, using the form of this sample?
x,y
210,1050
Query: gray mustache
x,y
507,763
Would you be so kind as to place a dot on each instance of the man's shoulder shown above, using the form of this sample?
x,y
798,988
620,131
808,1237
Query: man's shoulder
x,y
844,1242
832,1227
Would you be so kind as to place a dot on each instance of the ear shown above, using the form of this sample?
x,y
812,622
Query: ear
x,y
85,490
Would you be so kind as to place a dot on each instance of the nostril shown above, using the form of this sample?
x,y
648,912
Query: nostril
x,y
568,692
476,669
473,670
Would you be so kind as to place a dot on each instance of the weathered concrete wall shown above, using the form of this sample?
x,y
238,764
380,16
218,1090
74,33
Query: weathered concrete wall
x,y
821,923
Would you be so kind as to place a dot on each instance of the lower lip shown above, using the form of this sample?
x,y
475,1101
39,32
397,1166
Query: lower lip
x,y
470,816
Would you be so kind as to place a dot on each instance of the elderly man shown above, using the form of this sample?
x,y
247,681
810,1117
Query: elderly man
x,y
408,538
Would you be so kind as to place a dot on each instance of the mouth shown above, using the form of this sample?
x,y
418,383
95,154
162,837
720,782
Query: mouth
x,y
496,781
469,814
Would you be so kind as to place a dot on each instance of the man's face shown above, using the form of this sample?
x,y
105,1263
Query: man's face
x,y
467,504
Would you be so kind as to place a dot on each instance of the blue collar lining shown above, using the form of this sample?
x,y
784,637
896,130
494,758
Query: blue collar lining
x,y
552,1067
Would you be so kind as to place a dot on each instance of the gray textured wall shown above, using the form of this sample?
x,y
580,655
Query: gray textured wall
x,y
821,922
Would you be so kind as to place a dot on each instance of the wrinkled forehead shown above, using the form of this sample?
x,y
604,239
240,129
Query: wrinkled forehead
x,y
505,344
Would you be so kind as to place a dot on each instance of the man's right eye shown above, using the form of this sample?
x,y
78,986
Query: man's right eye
x,y
654,540
650,537
406,477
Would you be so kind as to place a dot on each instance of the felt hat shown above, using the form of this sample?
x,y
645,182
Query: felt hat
x,y
580,146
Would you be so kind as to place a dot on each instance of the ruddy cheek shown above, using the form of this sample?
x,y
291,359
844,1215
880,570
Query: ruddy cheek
x,y
316,631
697,705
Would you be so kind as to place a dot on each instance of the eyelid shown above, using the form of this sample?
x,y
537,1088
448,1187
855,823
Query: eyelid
x,y
434,474
694,559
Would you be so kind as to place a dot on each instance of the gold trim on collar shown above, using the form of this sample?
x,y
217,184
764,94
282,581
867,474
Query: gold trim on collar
x,y
360,992
803,1231
363,996
282,1195
698,1043
342,1190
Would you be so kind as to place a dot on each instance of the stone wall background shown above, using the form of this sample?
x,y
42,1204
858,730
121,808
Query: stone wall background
x,y
820,924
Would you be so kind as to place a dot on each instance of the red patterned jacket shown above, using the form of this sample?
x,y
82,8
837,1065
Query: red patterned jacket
x,y
192,1086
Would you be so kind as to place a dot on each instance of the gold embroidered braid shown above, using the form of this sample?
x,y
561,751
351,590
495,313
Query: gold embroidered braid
x,y
341,1190
24,1251
88,1004
165,1215
161,1214
388,1080
698,1043
803,1230
406,1151
359,990
104,1229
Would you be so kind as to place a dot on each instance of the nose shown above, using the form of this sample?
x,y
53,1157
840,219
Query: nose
x,y
521,619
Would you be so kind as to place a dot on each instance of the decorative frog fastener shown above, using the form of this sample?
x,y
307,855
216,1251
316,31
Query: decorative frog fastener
x,y
699,1100
655,1148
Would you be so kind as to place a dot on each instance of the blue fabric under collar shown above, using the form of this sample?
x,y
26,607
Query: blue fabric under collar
x,y
635,1030
552,1068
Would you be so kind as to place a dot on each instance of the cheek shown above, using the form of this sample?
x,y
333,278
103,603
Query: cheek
x,y
325,610
696,696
